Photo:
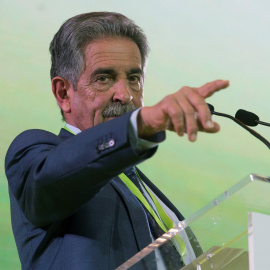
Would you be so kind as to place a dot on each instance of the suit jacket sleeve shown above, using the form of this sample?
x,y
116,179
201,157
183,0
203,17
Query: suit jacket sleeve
x,y
52,178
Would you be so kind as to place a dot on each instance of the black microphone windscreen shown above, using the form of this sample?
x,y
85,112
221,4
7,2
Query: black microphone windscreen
x,y
211,107
248,118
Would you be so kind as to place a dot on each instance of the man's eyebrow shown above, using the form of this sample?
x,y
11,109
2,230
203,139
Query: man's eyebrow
x,y
111,71
135,70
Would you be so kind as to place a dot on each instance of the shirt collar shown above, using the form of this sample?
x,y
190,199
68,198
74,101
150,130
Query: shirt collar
x,y
75,130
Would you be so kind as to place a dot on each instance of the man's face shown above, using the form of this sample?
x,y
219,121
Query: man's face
x,y
111,84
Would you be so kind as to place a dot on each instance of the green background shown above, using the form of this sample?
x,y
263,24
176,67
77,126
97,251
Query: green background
x,y
192,42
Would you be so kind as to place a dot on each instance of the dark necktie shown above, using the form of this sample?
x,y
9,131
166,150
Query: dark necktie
x,y
169,254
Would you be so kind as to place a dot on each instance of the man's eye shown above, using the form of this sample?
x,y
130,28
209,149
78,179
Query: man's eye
x,y
134,79
103,79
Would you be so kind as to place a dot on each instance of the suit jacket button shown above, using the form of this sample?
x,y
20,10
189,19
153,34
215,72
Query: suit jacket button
x,y
111,143
101,147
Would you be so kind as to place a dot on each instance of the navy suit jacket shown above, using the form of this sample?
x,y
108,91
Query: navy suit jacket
x,y
69,208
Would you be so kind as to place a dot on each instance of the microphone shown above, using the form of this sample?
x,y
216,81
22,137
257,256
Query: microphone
x,y
239,122
249,118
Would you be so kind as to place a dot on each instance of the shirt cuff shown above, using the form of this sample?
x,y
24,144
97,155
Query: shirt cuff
x,y
138,144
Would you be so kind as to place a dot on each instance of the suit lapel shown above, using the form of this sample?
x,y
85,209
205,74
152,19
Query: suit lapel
x,y
64,134
136,213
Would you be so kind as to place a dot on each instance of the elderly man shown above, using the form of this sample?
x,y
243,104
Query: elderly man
x,y
77,200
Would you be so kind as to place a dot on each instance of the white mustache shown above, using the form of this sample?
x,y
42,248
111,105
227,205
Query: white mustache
x,y
117,109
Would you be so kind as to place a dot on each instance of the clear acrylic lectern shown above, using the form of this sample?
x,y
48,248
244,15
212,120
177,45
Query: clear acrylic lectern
x,y
220,228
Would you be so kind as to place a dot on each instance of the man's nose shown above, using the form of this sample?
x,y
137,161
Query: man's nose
x,y
122,92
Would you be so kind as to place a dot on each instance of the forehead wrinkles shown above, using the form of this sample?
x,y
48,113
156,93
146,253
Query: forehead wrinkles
x,y
100,57
122,50
117,58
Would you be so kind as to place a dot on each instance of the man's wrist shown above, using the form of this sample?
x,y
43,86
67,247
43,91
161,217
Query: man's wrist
x,y
145,131
142,144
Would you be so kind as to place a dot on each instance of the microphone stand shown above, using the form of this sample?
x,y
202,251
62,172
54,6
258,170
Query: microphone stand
x,y
253,132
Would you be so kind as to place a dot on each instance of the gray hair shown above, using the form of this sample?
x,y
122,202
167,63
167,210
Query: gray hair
x,y
68,44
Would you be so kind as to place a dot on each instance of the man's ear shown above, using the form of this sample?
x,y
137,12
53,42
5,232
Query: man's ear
x,y
61,89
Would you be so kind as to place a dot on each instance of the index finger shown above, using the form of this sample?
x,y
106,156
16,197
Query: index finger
x,y
210,88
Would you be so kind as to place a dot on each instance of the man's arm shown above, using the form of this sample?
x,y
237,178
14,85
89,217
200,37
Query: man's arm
x,y
51,179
